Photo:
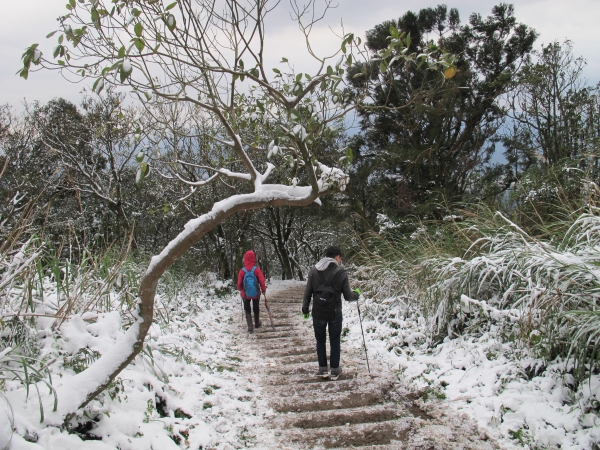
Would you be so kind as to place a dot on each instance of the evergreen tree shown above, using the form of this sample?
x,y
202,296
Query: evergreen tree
x,y
411,159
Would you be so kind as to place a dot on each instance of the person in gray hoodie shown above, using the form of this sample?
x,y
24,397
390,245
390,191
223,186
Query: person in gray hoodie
x,y
327,281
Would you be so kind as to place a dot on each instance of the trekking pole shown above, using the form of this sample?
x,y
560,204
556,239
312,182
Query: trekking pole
x,y
269,311
243,312
363,335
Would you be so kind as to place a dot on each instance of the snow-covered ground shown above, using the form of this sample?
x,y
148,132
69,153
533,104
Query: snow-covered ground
x,y
185,391
191,389
514,398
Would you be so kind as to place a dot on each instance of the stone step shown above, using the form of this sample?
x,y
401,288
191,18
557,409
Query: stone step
x,y
358,435
284,347
329,401
285,358
398,446
284,301
344,417
275,379
266,328
317,387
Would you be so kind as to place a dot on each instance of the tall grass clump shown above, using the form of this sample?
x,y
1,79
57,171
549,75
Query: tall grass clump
x,y
486,272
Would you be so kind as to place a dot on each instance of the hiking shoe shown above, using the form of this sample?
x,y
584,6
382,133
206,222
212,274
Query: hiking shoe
x,y
335,373
323,372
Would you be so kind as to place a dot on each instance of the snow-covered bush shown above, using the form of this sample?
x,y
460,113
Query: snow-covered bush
x,y
541,293
59,318
501,323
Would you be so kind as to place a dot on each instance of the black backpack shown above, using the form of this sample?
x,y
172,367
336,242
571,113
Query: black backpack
x,y
325,297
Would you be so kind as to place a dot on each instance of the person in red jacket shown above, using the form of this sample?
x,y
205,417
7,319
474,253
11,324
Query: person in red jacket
x,y
252,280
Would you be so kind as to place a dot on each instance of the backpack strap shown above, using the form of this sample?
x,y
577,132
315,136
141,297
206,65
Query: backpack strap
x,y
330,278
245,270
253,269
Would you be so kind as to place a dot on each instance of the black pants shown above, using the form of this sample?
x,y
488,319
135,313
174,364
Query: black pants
x,y
255,305
335,330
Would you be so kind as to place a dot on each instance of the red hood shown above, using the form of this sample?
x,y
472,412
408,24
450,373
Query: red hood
x,y
249,260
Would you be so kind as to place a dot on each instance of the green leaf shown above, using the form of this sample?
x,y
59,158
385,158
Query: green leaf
x,y
284,60
139,44
329,70
139,29
135,12
140,157
72,3
125,70
298,78
277,71
349,60
171,22
383,65
98,85
349,155
171,6
61,38
122,52
359,74
142,172
49,35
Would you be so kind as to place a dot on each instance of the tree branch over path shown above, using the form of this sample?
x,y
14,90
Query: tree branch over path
x,y
205,61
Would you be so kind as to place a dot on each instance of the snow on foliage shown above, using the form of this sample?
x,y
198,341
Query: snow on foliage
x,y
182,391
507,332
514,396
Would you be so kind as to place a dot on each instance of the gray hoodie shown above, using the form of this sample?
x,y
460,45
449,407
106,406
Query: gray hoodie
x,y
324,263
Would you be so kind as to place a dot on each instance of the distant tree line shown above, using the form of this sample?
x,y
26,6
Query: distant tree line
x,y
71,174
68,175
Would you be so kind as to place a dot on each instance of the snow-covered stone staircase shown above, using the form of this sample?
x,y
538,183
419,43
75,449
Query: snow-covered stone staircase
x,y
359,410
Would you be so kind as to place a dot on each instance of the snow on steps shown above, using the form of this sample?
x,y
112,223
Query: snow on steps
x,y
358,410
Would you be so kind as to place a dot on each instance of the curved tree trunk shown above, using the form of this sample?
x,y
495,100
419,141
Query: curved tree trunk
x,y
85,386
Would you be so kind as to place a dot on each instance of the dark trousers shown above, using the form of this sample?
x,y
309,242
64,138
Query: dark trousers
x,y
335,330
255,305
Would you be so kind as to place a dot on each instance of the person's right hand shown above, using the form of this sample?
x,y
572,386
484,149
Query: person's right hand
x,y
306,316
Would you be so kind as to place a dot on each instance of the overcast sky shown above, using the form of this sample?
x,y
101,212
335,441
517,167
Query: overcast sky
x,y
24,22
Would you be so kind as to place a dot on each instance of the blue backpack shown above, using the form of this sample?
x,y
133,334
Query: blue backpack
x,y
250,283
